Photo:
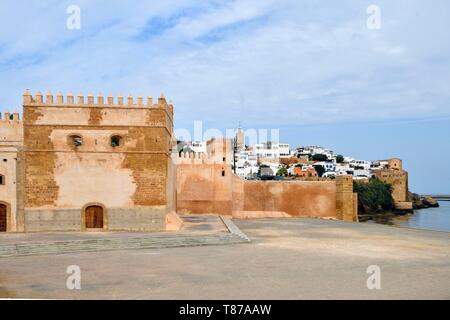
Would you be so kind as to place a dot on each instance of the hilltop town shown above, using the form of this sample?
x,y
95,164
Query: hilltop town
x,y
273,160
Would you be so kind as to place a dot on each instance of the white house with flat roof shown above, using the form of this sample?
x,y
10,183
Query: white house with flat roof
x,y
361,164
272,150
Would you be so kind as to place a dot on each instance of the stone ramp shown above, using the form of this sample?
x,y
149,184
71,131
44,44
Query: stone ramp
x,y
202,223
196,233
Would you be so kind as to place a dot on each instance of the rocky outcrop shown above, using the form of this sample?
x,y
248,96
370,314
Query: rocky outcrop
x,y
430,202
422,202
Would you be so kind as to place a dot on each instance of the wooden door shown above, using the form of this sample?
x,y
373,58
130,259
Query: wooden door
x,y
94,217
3,221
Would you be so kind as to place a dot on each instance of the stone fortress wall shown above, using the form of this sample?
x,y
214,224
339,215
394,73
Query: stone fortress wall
x,y
398,179
206,184
129,181
105,163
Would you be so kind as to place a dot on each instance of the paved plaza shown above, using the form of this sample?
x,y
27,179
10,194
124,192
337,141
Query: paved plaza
x,y
286,259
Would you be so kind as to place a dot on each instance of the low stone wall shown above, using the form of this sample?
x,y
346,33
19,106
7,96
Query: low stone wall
x,y
115,219
137,219
37,220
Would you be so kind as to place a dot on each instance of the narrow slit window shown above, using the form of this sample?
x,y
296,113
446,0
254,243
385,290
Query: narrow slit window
x,y
76,140
116,141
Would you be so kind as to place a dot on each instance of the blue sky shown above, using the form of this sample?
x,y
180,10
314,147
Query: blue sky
x,y
310,68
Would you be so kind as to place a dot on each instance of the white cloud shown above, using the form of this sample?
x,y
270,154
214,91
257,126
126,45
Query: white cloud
x,y
223,16
264,62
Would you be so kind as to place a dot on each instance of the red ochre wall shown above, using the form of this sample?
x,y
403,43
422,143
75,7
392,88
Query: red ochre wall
x,y
213,188
296,198
201,188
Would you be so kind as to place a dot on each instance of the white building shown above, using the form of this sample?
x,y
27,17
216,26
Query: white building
x,y
329,166
245,171
379,164
272,150
284,150
301,152
357,164
246,157
348,159
246,163
359,169
343,168
362,174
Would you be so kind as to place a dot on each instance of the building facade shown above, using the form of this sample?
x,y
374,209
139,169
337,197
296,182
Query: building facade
x,y
90,164
11,165
272,150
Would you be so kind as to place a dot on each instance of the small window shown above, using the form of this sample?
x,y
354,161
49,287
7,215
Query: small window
x,y
223,173
75,140
116,141
2,180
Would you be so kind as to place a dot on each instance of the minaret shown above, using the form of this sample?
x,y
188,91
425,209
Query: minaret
x,y
240,139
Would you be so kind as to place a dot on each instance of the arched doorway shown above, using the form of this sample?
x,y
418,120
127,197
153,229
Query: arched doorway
x,y
3,219
94,217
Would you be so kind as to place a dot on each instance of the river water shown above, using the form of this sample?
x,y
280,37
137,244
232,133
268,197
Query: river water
x,y
430,219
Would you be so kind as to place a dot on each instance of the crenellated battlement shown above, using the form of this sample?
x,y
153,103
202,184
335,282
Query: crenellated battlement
x,y
90,100
11,118
11,128
193,158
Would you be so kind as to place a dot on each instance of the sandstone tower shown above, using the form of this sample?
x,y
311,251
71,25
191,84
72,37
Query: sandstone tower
x,y
240,139
398,179
96,163
11,186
